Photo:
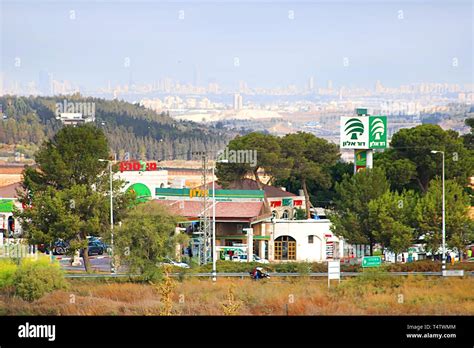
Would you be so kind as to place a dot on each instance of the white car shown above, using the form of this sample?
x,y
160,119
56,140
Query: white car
x,y
259,260
174,263
243,258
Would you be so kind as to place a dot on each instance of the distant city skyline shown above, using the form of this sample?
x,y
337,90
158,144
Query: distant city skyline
x,y
350,43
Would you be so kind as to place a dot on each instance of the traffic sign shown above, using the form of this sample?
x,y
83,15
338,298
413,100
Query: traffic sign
x,y
453,273
334,271
371,261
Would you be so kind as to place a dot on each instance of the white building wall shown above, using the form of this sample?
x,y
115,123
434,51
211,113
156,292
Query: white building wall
x,y
152,179
300,230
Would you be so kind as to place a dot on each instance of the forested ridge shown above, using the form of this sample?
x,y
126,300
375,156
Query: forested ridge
x,y
130,128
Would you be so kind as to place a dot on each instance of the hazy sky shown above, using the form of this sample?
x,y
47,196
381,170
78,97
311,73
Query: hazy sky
x,y
395,42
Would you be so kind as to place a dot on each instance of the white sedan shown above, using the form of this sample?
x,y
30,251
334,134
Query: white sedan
x,y
174,263
243,258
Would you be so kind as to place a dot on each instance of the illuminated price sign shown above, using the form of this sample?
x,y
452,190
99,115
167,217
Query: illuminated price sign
x,y
137,166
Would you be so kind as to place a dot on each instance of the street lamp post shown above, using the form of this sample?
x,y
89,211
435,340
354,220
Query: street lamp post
x,y
443,267
112,263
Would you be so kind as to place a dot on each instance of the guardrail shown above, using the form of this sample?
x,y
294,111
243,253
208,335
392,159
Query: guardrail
x,y
246,274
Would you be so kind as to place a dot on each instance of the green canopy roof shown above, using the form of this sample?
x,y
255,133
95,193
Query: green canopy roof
x,y
6,205
142,192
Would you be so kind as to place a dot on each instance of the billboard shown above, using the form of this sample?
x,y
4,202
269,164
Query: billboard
x,y
360,159
364,132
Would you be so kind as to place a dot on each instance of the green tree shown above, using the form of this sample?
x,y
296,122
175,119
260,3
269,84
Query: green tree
x,y
469,137
320,195
269,159
401,173
459,227
300,214
414,145
312,158
351,216
392,219
66,195
146,237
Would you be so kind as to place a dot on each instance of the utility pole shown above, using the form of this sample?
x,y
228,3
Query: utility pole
x,y
443,261
214,252
205,224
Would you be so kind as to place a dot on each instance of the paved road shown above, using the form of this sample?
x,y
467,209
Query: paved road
x,y
98,263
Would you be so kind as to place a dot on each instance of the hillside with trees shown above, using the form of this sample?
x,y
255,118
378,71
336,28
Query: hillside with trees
x,y
129,128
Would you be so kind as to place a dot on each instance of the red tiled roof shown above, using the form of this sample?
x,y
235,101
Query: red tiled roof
x,y
224,210
249,184
6,168
9,191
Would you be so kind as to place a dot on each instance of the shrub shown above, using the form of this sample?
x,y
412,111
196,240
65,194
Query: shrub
x,y
294,267
7,271
370,281
230,266
152,273
35,278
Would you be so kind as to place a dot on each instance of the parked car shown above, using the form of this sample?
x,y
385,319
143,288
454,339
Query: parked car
x,y
95,247
100,241
59,247
171,262
260,260
243,258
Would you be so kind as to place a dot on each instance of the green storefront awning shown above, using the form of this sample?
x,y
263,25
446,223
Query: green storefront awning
x,y
262,237
220,194
6,205
243,237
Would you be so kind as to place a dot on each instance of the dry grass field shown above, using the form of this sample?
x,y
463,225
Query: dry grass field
x,y
363,296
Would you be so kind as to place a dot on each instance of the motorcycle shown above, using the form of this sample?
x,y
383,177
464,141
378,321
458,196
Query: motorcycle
x,y
259,274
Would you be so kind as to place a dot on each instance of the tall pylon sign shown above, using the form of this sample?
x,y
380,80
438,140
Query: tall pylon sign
x,y
363,133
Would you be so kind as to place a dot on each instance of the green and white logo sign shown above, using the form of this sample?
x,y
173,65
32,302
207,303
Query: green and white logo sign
x,y
364,132
354,127
378,132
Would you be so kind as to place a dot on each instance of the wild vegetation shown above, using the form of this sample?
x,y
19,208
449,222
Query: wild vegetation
x,y
376,295
30,279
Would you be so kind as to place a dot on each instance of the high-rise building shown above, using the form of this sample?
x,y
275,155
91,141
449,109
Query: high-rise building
x,y
243,88
330,84
311,83
238,102
213,88
45,83
378,87
196,76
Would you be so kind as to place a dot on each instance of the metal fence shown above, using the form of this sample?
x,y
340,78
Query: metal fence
x,y
246,275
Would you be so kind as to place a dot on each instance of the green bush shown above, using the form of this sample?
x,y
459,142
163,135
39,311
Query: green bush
x,y
7,271
370,281
35,278
429,266
153,273
230,267
319,267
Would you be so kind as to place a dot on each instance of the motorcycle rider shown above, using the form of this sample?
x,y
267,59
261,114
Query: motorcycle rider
x,y
257,273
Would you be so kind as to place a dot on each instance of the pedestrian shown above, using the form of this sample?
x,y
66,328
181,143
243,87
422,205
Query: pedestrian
x,y
469,253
